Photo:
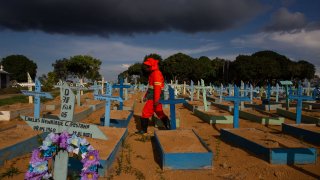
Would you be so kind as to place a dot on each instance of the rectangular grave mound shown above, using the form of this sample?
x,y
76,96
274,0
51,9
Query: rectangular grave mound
x,y
225,105
108,150
214,115
18,140
192,105
158,122
306,117
118,118
305,132
273,148
182,149
9,112
261,116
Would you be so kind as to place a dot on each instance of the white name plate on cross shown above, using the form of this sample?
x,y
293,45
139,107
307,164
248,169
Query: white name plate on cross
x,y
58,126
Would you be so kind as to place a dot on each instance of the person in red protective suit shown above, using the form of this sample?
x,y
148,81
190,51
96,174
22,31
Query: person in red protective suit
x,y
153,95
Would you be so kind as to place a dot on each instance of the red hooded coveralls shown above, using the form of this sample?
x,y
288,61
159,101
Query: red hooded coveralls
x,y
154,92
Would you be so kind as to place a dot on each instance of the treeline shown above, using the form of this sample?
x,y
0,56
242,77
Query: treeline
x,y
79,66
258,68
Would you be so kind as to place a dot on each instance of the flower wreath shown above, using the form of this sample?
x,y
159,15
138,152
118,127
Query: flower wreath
x,y
53,143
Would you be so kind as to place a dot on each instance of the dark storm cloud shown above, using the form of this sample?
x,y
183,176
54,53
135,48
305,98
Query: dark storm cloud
x,y
283,20
106,17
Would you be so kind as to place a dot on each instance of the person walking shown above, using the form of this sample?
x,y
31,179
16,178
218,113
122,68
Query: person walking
x,y
153,95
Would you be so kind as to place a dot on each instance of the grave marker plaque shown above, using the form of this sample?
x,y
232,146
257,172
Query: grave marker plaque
x,y
67,103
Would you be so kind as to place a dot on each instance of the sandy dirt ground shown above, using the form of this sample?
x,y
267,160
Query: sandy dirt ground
x,y
138,158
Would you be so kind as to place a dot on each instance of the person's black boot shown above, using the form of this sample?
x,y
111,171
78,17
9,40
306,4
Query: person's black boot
x,y
166,122
144,125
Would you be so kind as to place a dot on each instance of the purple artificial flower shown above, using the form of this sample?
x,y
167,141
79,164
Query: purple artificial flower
x,y
92,158
63,140
29,175
36,177
89,175
36,156
53,137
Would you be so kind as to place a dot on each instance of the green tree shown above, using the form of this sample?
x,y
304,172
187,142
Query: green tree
x,y
283,61
81,66
84,66
48,81
306,70
219,71
202,69
60,68
18,66
178,67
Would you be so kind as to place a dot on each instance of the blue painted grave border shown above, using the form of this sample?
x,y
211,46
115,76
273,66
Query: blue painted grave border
x,y
21,148
196,160
271,155
302,134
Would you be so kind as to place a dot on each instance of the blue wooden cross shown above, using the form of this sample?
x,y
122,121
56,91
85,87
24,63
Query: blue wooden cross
x,y
236,99
269,95
121,86
108,98
172,101
299,97
37,94
96,88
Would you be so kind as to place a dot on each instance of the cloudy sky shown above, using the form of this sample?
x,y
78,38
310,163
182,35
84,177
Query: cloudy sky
x,y
122,32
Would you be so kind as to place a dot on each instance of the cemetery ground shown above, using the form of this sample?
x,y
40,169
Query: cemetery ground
x,y
138,158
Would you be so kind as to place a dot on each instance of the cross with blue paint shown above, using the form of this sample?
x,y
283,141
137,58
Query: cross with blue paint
x,y
269,95
236,99
37,94
96,88
121,86
108,98
299,98
172,101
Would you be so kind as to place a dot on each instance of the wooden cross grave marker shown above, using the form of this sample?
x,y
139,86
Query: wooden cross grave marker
x,y
299,97
108,98
37,94
172,101
96,88
121,86
236,99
